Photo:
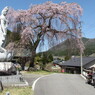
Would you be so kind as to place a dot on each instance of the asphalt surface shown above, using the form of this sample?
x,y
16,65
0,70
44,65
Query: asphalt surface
x,y
30,78
63,84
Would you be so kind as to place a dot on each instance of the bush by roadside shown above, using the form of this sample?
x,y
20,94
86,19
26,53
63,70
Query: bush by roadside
x,y
50,67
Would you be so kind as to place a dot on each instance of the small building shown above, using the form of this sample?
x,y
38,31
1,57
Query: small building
x,y
21,54
74,64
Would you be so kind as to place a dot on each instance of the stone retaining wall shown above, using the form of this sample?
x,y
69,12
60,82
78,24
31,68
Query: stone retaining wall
x,y
12,80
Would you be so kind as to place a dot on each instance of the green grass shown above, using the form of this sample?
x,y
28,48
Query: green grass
x,y
41,72
17,91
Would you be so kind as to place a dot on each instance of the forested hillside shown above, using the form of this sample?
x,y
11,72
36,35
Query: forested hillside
x,y
63,50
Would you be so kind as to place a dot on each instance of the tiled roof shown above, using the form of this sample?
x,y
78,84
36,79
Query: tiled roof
x,y
76,61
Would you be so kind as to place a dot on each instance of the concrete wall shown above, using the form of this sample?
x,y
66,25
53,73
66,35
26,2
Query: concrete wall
x,y
11,80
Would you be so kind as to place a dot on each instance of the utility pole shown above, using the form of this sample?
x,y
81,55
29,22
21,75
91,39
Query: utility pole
x,y
81,51
81,60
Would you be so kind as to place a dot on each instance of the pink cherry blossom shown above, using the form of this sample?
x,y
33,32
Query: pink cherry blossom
x,y
38,23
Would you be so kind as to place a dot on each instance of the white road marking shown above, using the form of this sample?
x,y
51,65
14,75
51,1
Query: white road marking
x,y
34,83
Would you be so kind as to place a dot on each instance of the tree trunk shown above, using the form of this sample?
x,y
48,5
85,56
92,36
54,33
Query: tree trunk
x,y
32,59
23,66
34,52
23,63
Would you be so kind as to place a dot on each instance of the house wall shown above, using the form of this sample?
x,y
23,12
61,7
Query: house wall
x,y
73,70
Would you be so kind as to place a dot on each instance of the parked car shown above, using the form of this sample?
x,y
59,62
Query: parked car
x,y
89,78
93,79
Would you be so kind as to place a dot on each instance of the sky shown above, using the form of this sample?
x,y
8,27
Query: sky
x,y
88,17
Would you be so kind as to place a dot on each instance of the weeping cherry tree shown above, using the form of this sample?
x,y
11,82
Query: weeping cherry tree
x,y
47,22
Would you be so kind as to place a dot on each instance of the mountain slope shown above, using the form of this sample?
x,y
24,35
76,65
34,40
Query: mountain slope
x,y
62,49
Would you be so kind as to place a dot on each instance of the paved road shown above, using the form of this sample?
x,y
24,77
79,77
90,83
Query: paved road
x,y
30,78
63,84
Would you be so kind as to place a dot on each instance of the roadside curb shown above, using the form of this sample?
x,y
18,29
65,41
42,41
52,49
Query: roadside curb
x,y
34,83
26,84
83,76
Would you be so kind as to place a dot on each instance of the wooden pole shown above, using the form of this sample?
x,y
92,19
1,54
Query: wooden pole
x,y
1,87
